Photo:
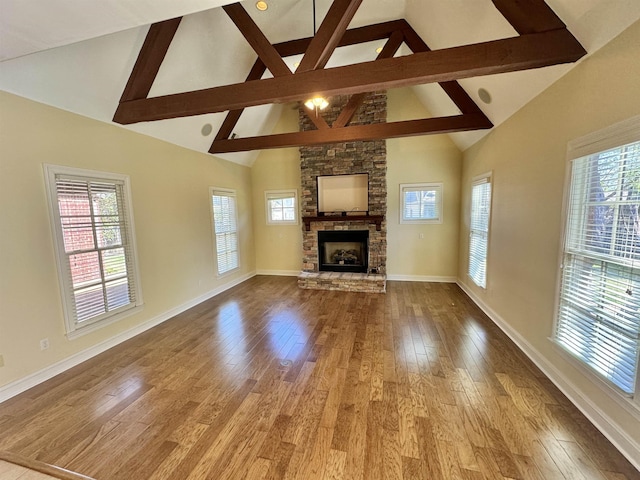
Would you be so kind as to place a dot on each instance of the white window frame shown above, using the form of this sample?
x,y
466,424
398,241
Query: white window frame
x,y
73,327
480,280
230,193
436,187
622,133
270,195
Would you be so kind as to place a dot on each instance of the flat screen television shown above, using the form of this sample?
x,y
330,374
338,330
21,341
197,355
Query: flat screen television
x,y
343,193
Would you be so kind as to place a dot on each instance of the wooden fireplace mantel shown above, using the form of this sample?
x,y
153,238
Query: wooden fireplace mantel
x,y
377,219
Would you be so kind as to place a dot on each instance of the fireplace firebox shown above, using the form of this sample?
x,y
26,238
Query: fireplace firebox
x,y
343,250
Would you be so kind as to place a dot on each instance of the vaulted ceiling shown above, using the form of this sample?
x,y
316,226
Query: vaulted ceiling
x,y
207,50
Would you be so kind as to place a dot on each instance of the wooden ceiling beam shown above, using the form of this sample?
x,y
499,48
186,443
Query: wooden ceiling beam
x,y
389,50
328,37
353,36
529,16
456,93
231,120
254,36
375,131
151,55
317,119
349,110
488,58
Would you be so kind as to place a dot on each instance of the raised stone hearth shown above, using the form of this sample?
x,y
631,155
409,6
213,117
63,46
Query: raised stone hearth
x,y
349,282
368,157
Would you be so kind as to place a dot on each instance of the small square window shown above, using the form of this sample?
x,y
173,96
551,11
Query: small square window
x,y
421,203
282,207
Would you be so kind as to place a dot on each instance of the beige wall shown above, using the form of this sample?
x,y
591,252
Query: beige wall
x,y
171,212
527,155
425,159
278,247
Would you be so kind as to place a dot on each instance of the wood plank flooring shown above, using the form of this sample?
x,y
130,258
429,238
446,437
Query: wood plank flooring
x,y
268,381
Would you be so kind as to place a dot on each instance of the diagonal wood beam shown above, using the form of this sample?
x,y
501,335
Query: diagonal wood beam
x,y
497,56
317,119
456,93
389,50
329,34
149,59
231,120
375,131
353,36
254,36
529,16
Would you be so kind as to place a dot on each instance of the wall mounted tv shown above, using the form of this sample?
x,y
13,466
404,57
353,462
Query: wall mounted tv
x,y
343,193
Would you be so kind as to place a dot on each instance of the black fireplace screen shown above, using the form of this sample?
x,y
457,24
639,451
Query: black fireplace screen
x,y
343,250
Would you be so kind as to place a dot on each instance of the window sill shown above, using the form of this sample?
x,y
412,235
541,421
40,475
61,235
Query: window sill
x,y
92,327
228,272
422,221
276,224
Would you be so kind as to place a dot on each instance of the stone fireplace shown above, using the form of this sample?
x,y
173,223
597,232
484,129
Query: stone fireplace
x,y
341,159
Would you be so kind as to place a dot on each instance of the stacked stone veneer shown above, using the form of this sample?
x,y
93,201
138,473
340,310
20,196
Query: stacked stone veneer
x,y
339,159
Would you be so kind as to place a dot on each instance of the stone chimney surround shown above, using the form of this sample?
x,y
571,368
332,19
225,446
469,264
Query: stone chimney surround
x,y
340,159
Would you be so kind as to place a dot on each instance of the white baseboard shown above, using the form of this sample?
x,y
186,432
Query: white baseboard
x,y
609,428
18,386
421,278
279,273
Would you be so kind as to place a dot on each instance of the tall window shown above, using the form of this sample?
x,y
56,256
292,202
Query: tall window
x,y
225,227
479,229
421,203
598,318
282,207
93,228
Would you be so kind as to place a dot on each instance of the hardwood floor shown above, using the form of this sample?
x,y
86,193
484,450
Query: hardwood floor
x,y
268,381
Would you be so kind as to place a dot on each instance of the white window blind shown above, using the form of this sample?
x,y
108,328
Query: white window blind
x,y
598,318
225,228
479,230
93,227
281,207
421,203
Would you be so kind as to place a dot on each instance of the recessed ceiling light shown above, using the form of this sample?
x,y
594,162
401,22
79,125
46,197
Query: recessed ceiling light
x,y
206,129
484,95
262,6
378,50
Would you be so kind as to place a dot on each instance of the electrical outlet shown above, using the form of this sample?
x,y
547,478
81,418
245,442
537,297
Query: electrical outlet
x,y
44,344
1,361
421,236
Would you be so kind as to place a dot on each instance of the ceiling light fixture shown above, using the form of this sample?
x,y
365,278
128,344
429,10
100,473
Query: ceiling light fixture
x,y
379,49
262,6
318,102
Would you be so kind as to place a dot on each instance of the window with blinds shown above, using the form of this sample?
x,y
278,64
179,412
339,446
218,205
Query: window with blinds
x,y
225,228
282,207
479,229
421,203
598,318
94,239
